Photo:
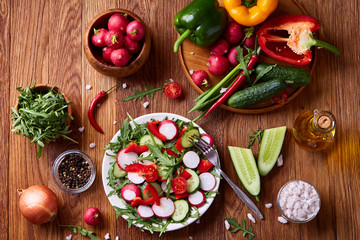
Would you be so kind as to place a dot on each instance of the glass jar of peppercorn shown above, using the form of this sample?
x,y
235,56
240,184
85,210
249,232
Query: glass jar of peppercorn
x,y
74,171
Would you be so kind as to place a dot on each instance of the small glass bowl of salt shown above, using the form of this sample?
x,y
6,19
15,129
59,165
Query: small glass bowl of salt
x,y
298,201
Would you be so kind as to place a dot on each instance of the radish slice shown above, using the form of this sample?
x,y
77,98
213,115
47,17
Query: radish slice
x,y
191,159
207,138
166,208
123,159
145,154
197,199
145,211
147,162
169,129
135,178
129,192
163,187
207,181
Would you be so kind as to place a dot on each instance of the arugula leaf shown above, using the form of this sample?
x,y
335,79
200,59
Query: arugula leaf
x,y
211,194
263,72
41,117
141,94
82,231
233,222
257,135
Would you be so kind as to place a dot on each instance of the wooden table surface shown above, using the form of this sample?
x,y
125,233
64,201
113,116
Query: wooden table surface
x,y
41,41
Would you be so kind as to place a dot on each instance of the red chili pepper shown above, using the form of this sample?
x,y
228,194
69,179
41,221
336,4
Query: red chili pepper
x,y
153,192
169,152
295,47
204,166
182,195
179,146
134,147
136,167
92,106
138,201
281,97
239,80
152,126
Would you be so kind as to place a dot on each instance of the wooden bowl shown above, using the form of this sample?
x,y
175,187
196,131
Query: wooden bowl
x,y
44,88
94,54
193,57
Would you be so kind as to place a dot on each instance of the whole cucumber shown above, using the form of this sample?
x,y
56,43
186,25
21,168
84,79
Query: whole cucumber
x,y
293,77
257,93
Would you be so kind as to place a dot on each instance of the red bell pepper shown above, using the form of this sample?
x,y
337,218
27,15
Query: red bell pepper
x,y
289,38
134,147
169,152
179,146
152,126
153,192
182,195
136,167
182,131
204,165
183,173
138,201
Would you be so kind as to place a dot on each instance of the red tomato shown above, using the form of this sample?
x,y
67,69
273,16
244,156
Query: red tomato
x,y
178,184
173,90
150,173
281,98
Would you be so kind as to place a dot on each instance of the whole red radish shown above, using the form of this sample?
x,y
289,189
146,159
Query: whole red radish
x,y
92,216
120,57
118,22
114,39
135,30
106,53
220,47
217,65
232,56
200,77
131,45
250,42
233,33
98,39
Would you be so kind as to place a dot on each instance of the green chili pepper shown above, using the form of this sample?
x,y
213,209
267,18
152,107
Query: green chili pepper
x,y
203,21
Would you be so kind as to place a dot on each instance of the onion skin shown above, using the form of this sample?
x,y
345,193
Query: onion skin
x,y
38,204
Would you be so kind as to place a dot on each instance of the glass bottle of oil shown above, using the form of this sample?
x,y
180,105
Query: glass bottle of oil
x,y
314,130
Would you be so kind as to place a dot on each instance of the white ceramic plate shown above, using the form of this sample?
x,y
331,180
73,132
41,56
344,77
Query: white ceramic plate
x,y
115,200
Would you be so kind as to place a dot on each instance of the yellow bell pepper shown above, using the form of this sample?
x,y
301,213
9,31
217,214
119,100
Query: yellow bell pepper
x,y
250,12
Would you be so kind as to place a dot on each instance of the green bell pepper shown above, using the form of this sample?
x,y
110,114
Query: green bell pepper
x,y
203,21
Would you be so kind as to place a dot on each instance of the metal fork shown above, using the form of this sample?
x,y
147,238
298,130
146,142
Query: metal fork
x,y
213,157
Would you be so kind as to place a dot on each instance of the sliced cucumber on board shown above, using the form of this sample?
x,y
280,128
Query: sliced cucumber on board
x,y
270,147
245,166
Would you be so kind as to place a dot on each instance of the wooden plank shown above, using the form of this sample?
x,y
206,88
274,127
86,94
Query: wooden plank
x,y
4,111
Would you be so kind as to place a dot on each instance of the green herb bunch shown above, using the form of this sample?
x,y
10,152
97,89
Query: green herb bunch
x,y
41,116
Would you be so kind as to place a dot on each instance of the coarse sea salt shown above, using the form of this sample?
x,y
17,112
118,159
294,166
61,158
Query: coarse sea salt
x,y
107,236
81,129
268,205
280,161
192,53
227,225
282,220
114,122
124,85
251,217
117,238
191,72
146,104
68,237
197,221
88,87
223,90
299,201
92,145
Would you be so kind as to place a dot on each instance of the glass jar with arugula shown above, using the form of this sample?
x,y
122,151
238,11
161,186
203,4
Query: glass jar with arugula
x,y
160,178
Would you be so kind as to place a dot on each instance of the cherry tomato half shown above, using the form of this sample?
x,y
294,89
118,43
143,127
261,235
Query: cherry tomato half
x,y
179,185
173,90
150,173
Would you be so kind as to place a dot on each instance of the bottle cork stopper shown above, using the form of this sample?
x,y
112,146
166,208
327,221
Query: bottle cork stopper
x,y
324,122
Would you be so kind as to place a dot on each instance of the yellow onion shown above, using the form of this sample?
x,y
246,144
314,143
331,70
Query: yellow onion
x,y
38,204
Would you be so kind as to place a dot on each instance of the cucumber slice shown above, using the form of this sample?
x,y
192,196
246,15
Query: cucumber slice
x,y
118,172
147,139
185,142
270,147
192,183
181,210
245,166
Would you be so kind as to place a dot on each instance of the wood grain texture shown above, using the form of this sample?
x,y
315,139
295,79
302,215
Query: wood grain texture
x,y
42,40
